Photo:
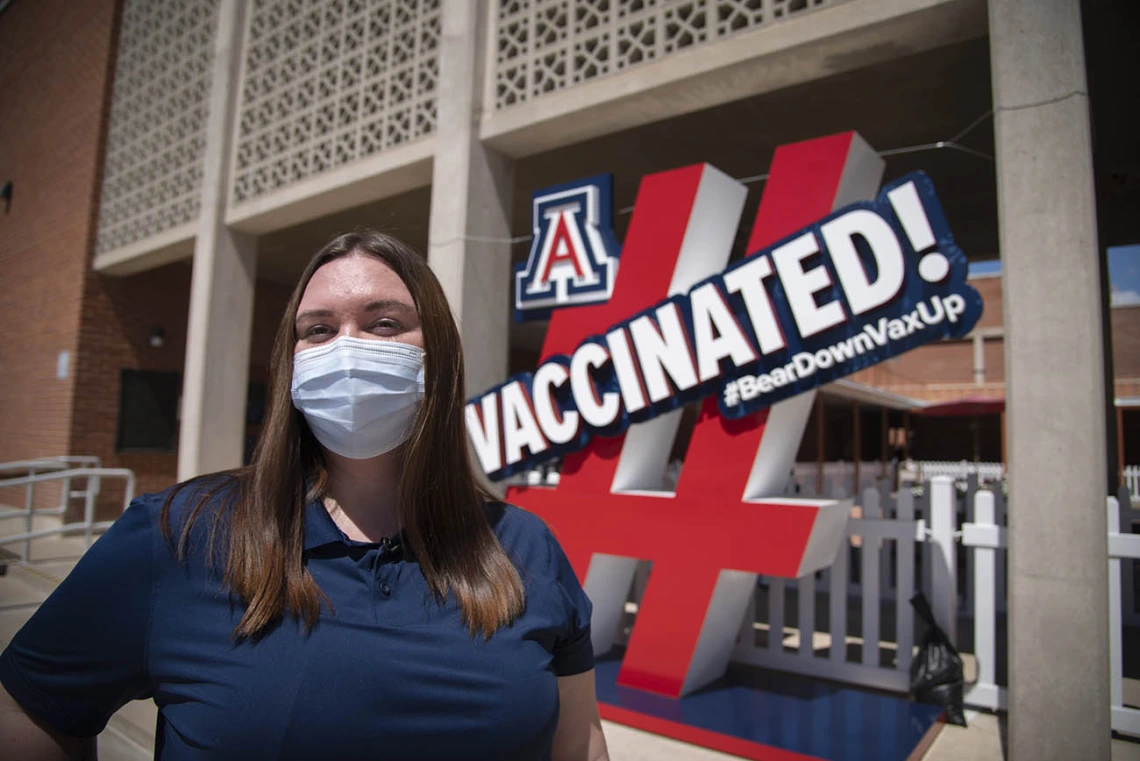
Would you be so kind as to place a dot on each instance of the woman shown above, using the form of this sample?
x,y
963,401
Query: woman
x,y
353,593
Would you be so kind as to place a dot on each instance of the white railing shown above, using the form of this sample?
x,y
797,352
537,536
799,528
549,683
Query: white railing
x,y
35,467
987,537
1124,546
900,544
838,478
1132,480
882,543
867,670
1129,507
960,470
58,470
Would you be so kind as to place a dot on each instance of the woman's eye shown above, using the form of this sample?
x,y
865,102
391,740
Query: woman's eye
x,y
316,331
386,323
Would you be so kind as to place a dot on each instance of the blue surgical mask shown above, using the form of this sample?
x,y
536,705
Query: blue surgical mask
x,y
359,395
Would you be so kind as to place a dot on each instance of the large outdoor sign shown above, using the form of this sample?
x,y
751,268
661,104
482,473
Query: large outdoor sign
x,y
840,276
854,288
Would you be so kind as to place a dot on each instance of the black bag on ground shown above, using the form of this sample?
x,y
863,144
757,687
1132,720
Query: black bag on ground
x,y
936,671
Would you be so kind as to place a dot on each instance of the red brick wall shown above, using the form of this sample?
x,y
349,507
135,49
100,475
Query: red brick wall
x,y
52,87
990,290
118,316
1126,342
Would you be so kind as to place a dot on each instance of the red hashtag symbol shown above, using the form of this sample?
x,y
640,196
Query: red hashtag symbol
x,y
708,541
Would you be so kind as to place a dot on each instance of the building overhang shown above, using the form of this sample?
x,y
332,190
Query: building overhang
x,y
828,41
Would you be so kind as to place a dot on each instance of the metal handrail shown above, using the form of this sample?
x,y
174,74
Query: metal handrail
x,y
94,477
47,465
58,462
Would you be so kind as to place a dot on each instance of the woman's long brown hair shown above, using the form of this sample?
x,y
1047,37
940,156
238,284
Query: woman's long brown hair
x,y
259,524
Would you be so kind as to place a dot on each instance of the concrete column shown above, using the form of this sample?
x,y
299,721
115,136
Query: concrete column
x,y
470,199
979,359
221,290
1058,591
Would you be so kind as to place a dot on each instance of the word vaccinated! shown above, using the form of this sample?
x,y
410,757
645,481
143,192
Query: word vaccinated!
x,y
866,283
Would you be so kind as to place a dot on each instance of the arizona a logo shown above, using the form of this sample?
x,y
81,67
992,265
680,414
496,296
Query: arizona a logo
x,y
574,254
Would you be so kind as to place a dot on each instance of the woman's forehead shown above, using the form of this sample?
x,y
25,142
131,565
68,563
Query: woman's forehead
x,y
351,278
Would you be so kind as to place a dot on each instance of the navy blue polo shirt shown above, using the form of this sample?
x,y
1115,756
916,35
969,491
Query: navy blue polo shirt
x,y
389,673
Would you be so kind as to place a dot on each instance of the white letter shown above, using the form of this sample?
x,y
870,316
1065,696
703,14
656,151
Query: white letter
x,y
805,364
748,281
709,312
519,426
632,392
908,208
839,237
484,432
878,336
955,306
546,378
596,412
801,286
664,351
936,315
843,351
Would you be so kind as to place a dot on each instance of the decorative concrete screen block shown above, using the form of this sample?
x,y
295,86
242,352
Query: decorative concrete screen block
x,y
548,45
157,134
329,82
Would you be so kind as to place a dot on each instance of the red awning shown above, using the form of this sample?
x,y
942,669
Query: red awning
x,y
967,406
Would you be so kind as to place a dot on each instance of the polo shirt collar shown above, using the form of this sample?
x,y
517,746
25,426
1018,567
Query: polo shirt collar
x,y
320,528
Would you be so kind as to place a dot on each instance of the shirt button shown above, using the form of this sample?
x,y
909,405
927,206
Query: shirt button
x,y
385,588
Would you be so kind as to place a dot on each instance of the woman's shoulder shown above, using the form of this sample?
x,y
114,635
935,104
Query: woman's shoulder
x,y
210,490
525,536
197,501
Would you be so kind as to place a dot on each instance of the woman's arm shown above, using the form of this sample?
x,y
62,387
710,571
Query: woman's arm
x,y
579,735
23,737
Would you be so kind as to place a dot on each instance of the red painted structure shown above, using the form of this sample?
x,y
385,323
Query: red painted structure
x,y
705,527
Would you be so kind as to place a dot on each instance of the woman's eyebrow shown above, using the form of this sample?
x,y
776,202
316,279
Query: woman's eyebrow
x,y
314,313
372,306
375,306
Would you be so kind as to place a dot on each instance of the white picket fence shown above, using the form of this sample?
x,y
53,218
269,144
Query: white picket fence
x,y
960,470
897,547
838,478
868,669
1123,551
1132,481
915,545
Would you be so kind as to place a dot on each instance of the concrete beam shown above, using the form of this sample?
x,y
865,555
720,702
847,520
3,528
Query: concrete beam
x,y
147,254
382,175
803,48
1058,566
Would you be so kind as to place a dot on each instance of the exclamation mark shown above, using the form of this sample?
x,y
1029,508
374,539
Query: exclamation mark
x,y
934,266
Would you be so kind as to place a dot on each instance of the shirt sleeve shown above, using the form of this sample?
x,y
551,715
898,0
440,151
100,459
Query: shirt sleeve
x,y
574,652
83,654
